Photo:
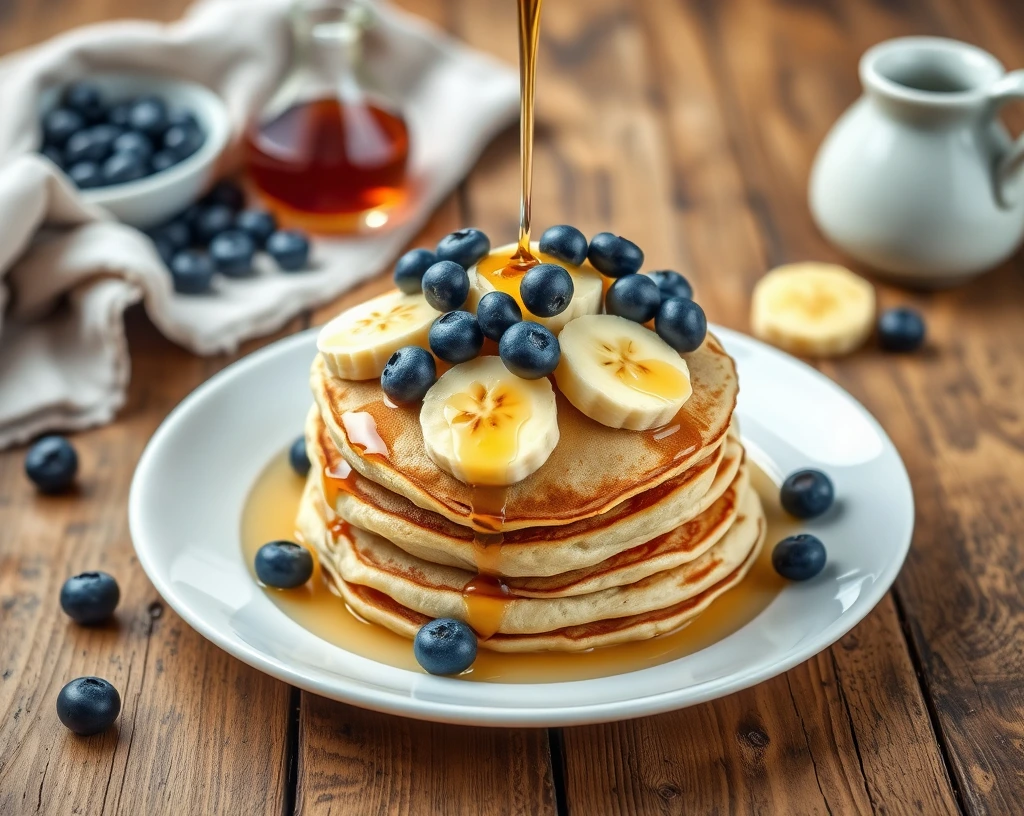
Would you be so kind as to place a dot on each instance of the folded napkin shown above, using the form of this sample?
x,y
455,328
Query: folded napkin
x,y
68,271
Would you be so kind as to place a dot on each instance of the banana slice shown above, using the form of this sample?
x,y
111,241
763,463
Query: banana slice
x,y
587,286
813,309
486,426
358,343
620,373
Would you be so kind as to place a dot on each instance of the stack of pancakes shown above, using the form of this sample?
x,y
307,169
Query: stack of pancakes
x,y
619,536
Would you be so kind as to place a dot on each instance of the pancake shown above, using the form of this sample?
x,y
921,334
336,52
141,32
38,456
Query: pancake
x,y
534,551
379,608
438,591
592,469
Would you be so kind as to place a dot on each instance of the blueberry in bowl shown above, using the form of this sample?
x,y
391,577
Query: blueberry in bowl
x,y
142,147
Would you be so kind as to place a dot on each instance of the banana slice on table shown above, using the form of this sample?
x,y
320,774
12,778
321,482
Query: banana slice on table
x,y
486,426
587,284
813,309
358,343
620,373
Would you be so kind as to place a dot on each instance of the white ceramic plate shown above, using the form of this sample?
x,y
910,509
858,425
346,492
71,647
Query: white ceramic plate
x,y
188,492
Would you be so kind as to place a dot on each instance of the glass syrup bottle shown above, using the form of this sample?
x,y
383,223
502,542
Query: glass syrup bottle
x,y
326,153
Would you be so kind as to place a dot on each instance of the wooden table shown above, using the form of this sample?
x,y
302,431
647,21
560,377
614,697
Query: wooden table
x,y
688,126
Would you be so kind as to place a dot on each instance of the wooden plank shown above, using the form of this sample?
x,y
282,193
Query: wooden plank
x,y
187,738
358,762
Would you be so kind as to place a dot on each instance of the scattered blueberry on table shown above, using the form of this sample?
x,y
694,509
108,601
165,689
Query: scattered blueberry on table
x,y
566,243
52,463
191,272
497,312
614,256
298,457
101,142
681,323
232,252
464,247
88,705
807,493
634,297
446,286
410,268
212,220
257,224
289,249
90,598
901,329
799,557
529,350
445,646
283,564
408,374
456,337
546,289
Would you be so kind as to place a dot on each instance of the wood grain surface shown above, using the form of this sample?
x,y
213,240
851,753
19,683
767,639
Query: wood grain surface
x,y
689,126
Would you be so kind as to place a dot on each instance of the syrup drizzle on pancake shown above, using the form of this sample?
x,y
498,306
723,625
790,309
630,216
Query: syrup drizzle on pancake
x,y
486,596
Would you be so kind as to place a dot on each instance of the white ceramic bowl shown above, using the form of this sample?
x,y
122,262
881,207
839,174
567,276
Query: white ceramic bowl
x,y
155,198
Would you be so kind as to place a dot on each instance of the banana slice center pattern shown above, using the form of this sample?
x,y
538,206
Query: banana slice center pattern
x,y
485,424
378,321
656,378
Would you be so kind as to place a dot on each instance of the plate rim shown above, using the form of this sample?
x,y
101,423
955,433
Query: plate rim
x,y
388,701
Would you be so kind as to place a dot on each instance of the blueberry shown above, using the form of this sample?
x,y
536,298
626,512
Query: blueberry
x,y
119,112
182,117
565,243
165,249
546,289
123,167
409,374
149,115
681,323
212,220
192,272
465,247
410,268
232,252
51,463
290,249
455,337
92,144
133,142
799,557
298,457
90,597
529,350
446,285
88,705
445,646
258,224
60,124
497,312
634,297
807,493
85,174
54,154
614,256
162,160
671,284
176,233
901,329
85,99
226,192
283,564
182,141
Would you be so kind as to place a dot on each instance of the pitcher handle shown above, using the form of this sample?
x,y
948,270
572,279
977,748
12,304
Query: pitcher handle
x,y
1008,89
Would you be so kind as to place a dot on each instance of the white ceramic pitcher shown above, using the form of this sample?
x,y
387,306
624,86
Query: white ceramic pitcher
x,y
919,179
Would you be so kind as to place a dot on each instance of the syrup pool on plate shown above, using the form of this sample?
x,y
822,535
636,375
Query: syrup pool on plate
x,y
270,512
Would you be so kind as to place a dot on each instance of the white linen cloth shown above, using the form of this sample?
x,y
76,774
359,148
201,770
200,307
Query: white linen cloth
x,y
68,272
